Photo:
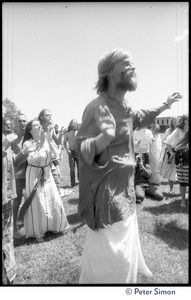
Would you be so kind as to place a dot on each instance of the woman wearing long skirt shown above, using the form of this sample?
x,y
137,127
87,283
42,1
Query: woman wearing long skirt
x,y
182,167
43,209
166,166
174,138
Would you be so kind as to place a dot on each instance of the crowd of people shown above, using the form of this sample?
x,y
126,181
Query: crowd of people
x,y
118,161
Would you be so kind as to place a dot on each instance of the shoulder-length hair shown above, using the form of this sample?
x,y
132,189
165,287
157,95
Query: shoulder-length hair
x,y
184,142
102,84
172,127
181,121
28,135
70,126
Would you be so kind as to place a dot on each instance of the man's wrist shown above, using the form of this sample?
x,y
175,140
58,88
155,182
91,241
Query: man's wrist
x,y
167,105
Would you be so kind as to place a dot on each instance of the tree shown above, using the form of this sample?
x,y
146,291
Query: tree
x,y
11,110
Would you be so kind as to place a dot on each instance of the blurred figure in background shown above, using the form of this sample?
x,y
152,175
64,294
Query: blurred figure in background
x,y
182,167
155,152
8,194
16,145
143,187
71,149
167,167
143,138
7,126
174,138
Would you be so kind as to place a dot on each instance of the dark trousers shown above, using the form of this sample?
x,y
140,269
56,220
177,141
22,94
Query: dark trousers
x,y
142,190
73,160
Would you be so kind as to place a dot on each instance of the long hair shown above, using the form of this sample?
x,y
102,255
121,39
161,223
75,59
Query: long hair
x,y
172,127
181,121
70,126
184,142
41,114
106,64
28,135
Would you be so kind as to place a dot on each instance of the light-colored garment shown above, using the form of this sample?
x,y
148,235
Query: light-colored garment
x,y
113,255
174,137
46,212
8,177
168,170
155,152
8,194
107,197
145,137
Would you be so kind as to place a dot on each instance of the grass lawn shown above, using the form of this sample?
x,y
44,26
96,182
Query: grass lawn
x,y
163,229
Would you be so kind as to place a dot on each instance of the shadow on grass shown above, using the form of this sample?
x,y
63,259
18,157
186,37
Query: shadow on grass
x,y
167,195
167,182
47,237
74,219
172,234
66,187
167,208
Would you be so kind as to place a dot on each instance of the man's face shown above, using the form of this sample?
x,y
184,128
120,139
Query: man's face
x,y
56,129
47,117
21,123
123,75
74,125
7,127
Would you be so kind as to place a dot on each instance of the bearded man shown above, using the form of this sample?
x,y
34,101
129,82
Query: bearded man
x,y
16,146
112,252
45,118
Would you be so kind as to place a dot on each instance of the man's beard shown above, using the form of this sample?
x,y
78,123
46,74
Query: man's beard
x,y
127,84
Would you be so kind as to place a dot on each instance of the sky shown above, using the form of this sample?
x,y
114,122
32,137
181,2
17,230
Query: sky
x,y
51,51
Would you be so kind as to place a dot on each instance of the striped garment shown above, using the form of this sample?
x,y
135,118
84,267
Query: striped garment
x,y
46,212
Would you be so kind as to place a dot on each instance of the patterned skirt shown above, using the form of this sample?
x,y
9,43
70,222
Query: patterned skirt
x,y
182,167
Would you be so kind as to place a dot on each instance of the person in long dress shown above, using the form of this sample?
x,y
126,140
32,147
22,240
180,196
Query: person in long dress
x,y
166,167
112,251
155,152
45,212
182,167
172,142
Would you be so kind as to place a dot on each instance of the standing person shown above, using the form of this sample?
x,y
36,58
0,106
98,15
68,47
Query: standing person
x,y
143,139
16,145
174,138
43,209
155,152
182,166
7,126
112,252
8,194
45,118
167,168
71,149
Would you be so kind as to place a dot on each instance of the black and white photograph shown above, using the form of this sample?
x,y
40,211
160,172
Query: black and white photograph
x,y
95,146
